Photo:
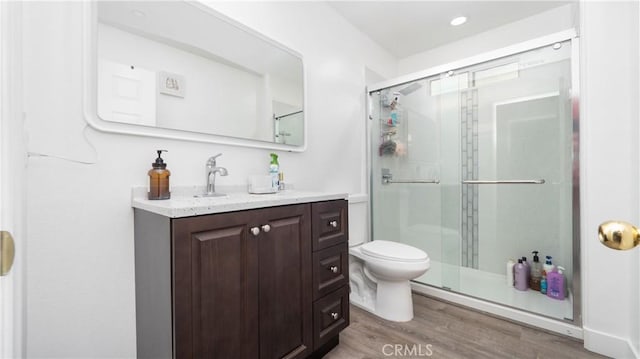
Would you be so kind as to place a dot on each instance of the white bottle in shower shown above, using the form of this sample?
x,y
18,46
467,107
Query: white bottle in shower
x,y
510,264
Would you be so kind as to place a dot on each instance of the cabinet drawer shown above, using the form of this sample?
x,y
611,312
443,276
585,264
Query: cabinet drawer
x,y
329,223
330,269
330,316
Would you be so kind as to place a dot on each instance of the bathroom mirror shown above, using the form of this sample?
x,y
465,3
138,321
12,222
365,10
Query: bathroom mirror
x,y
181,70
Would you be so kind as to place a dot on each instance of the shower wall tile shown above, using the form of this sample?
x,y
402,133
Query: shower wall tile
x,y
469,162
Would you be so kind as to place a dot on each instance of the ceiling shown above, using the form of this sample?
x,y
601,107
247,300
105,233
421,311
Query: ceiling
x,y
405,28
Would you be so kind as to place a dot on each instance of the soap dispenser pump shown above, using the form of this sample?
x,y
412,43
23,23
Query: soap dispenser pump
x,y
159,179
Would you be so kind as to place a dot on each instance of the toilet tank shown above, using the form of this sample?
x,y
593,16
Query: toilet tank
x,y
358,219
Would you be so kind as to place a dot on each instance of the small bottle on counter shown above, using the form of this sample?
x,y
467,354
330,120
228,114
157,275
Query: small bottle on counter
x,y
159,179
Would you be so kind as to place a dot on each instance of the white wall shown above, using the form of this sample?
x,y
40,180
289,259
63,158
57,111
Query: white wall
x,y
218,98
81,260
609,148
544,23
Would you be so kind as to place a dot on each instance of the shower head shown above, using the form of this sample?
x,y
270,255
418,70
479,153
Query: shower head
x,y
410,89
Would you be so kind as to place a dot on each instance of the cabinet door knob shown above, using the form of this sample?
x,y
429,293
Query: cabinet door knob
x,y
333,269
255,231
333,224
266,228
334,315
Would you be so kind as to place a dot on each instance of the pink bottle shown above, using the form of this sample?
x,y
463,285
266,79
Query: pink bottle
x,y
520,275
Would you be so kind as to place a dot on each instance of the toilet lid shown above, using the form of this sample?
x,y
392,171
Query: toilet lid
x,y
393,251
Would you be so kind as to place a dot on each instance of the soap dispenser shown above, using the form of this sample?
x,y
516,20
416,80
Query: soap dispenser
x,y
536,272
555,288
159,179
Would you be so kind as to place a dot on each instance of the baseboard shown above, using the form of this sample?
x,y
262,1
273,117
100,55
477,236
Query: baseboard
x,y
607,344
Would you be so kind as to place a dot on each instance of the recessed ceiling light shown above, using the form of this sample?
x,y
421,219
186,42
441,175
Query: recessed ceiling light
x,y
458,21
138,13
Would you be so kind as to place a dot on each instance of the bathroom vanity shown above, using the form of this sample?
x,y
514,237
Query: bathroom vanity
x,y
242,276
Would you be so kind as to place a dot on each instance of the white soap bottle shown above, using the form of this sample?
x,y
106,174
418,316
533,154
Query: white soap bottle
x,y
510,264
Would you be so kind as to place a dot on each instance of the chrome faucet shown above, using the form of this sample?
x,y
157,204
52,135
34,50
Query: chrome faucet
x,y
212,169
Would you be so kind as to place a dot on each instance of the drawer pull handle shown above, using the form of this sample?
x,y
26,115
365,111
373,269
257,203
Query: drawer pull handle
x,y
266,228
255,231
333,269
334,315
333,224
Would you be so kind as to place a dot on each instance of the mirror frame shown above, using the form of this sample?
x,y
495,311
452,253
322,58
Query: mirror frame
x,y
90,90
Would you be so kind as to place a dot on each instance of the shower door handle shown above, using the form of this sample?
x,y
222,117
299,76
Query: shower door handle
x,y
533,181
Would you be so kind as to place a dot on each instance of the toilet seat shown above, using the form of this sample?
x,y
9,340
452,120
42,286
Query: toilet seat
x,y
393,251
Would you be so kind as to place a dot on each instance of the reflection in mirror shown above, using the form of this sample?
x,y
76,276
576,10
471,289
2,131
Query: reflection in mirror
x,y
179,65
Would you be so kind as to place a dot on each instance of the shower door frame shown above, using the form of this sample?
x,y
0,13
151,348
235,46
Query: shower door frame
x,y
571,327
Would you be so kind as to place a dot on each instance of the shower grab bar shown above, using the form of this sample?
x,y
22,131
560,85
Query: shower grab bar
x,y
389,181
534,181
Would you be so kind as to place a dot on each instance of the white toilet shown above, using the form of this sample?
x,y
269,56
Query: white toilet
x,y
388,266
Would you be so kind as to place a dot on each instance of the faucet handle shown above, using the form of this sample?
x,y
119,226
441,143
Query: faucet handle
x,y
212,159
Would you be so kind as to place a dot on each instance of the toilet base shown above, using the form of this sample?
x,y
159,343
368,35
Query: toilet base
x,y
394,301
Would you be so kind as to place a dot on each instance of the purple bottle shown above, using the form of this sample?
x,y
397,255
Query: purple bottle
x,y
528,266
555,281
520,275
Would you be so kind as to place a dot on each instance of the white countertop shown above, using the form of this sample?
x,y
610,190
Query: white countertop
x,y
184,204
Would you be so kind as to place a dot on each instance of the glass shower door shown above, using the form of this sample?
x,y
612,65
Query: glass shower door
x,y
415,180
516,160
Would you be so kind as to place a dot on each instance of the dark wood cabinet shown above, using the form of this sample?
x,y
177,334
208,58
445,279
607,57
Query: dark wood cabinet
x,y
234,285
330,237
215,285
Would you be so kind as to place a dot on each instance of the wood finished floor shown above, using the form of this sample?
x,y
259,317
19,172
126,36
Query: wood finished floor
x,y
452,332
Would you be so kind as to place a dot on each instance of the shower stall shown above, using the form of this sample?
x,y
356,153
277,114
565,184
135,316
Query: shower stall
x,y
476,163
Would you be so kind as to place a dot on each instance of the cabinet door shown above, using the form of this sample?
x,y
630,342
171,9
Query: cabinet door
x,y
215,287
285,283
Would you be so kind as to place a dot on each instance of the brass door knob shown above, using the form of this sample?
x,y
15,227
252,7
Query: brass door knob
x,y
7,252
618,235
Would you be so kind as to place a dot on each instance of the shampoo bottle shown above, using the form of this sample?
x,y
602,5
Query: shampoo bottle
x,y
274,172
536,272
556,284
528,268
520,276
548,266
510,265
159,179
